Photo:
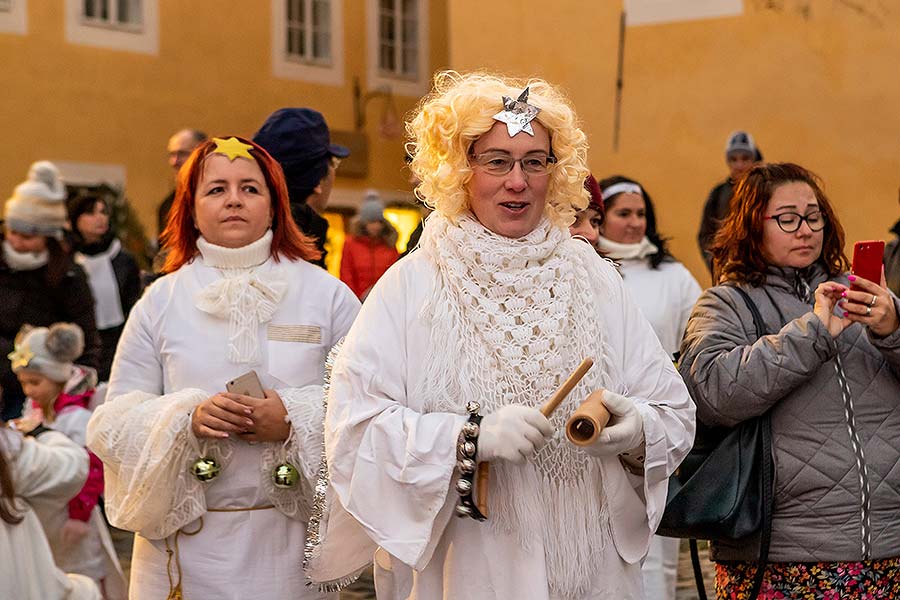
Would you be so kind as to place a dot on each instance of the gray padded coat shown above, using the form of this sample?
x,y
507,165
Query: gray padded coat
x,y
836,451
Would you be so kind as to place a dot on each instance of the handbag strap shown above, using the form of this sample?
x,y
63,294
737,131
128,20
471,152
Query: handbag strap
x,y
765,536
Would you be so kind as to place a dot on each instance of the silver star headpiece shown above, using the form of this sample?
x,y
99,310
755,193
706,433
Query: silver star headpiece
x,y
518,114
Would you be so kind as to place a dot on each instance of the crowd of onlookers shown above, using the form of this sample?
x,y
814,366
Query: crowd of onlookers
x,y
67,287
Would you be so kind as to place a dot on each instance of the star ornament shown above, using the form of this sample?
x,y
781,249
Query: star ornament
x,y
20,357
518,114
233,148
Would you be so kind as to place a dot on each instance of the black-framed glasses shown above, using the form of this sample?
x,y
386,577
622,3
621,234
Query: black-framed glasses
x,y
501,163
789,222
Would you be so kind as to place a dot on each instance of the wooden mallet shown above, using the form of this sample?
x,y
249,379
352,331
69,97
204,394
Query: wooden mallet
x,y
484,469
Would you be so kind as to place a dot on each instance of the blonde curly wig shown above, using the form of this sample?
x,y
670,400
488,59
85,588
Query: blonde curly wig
x,y
460,109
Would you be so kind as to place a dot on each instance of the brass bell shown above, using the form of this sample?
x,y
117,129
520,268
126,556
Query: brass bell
x,y
206,469
463,486
463,511
286,475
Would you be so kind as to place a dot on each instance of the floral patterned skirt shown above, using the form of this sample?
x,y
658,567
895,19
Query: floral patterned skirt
x,y
868,579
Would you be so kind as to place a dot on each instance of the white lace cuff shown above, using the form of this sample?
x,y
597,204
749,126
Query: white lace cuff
x,y
147,449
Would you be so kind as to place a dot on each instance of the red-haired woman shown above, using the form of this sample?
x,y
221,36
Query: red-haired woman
x,y
215,483
828,373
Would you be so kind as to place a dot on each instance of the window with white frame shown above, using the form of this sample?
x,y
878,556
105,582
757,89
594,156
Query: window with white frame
x,y
13,17
128,25
307,40
122,14
398,38
308,31
397,46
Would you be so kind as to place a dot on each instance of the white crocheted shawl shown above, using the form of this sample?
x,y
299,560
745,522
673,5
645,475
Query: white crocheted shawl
x,y
511,319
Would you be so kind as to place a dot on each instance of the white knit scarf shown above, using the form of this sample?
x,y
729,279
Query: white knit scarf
x,y
510,320
243,296
23,261
105,287
618,251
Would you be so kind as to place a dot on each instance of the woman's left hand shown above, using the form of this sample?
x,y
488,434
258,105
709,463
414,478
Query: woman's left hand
x,y
269,424
872,305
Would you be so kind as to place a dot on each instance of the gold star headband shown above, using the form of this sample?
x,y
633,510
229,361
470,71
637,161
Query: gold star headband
x,y
518,114
233,148
20,357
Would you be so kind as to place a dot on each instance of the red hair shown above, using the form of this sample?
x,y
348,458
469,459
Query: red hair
x,y
181,233
738,247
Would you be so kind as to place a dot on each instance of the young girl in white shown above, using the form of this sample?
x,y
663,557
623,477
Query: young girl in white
x,y
58,393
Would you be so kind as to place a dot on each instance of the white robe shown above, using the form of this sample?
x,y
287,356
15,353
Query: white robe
x,y
393,467
93,555
46,473
169,345
666,296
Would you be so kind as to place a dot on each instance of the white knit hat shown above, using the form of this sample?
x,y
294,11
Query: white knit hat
x,y
38,206
49,351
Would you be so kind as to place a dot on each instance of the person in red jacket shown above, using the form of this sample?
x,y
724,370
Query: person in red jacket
x,y
368,253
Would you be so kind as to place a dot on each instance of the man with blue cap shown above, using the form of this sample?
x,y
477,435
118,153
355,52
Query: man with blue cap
x,y
298,138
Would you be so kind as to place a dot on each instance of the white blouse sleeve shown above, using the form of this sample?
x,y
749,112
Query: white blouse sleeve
x,y
145,441
390,465
50,466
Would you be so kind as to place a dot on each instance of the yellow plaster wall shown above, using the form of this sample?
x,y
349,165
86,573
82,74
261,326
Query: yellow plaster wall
x,y
77,103
816,83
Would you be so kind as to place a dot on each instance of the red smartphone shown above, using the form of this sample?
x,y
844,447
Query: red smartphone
x,y
867,260
247,385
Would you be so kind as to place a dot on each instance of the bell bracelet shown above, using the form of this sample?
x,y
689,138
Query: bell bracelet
x,y
467,462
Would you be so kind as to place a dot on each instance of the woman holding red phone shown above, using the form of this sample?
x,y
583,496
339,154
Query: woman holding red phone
x,y
217,485
828,374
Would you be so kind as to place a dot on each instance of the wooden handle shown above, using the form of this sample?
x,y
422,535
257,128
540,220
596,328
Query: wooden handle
x,y
586,423
567,386
483,476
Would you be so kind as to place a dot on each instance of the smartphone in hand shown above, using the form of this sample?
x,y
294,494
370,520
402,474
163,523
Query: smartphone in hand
x,y
247,385
867,260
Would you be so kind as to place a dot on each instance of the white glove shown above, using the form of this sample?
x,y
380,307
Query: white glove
x,y
514,433
625,430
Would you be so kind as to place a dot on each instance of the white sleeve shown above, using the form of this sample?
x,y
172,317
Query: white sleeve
x,y
147,448
137,364
390,465
689,290
50,466
662,399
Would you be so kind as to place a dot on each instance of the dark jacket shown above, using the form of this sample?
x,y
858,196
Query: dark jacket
x,y
128,279
826,493
714,212
892,260
27,297
312,224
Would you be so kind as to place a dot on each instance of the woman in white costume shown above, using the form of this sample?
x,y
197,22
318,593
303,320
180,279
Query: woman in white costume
x,y
494,311
39,473
666,292
216,484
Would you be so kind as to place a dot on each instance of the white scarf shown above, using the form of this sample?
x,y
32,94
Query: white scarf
x,y
105,287
617,251
247,299
511,319
23,261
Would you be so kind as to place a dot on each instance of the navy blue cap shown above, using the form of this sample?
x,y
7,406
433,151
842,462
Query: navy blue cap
x,y
299,140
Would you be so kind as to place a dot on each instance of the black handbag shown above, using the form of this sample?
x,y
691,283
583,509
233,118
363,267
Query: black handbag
x,y
723,488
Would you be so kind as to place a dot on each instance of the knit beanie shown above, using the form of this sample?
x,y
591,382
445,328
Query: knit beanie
x,y
37,206
740,141
51,351
372,209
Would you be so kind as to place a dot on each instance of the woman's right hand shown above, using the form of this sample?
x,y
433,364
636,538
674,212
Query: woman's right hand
x,y
217,416
828,294
514,433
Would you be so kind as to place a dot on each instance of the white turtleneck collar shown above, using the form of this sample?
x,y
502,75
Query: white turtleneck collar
x,y
617,251
245,257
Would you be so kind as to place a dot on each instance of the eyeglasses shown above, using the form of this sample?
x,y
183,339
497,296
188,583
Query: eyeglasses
x,y
501,163
790,222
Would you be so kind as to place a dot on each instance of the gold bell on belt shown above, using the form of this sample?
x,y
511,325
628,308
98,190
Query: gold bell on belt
x,y
205,469
286,475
